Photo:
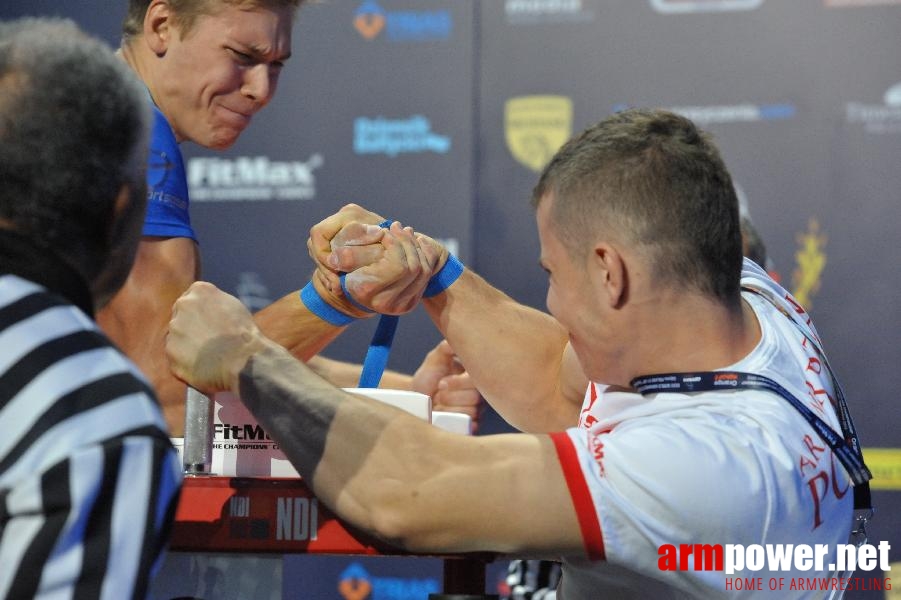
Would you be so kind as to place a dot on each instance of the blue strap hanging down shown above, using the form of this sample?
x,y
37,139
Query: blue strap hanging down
x,y
379,349
377,355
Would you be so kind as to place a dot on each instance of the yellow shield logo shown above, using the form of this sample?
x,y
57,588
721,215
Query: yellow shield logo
x,y
536,126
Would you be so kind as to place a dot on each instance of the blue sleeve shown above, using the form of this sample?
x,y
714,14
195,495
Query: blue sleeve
x,y
167,185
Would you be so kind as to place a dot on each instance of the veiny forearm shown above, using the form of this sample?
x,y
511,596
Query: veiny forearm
x,y
330,435
289,323
377,467
404,481
270,385
513,352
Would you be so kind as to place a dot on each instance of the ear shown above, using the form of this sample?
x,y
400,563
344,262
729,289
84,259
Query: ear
x,y
128,209
610,274
122,237
159,26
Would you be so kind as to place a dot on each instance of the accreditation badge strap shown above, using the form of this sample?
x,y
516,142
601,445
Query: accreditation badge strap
x,y
840,405
849,454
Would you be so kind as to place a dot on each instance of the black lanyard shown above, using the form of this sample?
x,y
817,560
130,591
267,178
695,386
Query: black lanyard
x,y
846,446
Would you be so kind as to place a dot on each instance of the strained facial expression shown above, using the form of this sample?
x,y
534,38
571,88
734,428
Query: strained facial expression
x,y
223,71
575,298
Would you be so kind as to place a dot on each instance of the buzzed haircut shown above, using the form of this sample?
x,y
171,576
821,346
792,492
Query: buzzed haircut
x,y
652,179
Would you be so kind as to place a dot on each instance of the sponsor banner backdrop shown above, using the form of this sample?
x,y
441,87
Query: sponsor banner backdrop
x,y
366,578
442,113
374,108
802,98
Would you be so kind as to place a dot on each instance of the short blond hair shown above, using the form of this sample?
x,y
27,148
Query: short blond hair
x,y
187,12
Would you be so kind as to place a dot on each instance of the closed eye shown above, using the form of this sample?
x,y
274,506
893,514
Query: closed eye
x,y
242,57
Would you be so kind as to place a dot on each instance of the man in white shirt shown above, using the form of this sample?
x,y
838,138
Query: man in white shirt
x,y
638,224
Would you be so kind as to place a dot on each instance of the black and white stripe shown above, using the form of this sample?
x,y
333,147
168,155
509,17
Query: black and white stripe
x,y
88,477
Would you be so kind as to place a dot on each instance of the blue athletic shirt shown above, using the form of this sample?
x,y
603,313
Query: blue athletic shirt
x,y
167,185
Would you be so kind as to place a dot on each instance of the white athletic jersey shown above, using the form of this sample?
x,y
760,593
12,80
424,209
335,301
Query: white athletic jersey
x,y
735,467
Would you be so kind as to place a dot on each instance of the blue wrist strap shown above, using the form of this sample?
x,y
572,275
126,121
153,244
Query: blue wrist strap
x,y
322,309
380,347
325,311
443,279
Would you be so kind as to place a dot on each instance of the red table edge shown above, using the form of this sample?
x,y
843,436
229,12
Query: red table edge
x,y
281,515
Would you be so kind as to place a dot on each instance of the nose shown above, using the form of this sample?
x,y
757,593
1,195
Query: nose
x,y
259,84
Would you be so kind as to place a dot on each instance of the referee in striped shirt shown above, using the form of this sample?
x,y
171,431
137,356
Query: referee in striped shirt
x,y
88,478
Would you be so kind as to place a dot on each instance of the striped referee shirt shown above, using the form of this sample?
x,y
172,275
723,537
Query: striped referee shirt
x,y
88,478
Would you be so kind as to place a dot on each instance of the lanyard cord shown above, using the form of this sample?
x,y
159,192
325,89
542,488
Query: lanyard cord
x,y
850,456
845,446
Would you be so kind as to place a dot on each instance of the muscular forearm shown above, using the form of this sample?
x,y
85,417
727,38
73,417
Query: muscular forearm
x,y
330,436
393,475
293,325
289,323
408,483
377,467
513,352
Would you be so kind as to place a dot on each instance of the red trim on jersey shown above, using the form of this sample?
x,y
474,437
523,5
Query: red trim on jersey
x,y
578,490
586,419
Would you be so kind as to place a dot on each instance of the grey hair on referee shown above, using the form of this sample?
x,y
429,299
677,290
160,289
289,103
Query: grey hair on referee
x,y
73,138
